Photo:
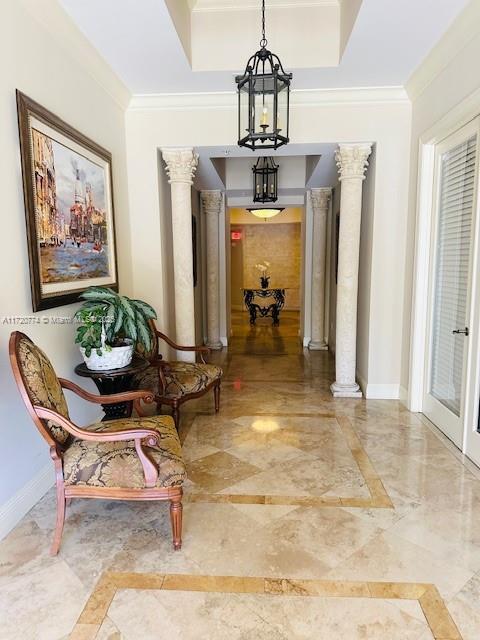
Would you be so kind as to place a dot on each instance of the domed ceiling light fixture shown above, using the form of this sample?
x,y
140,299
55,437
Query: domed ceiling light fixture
x,y
265,180
263,100
266,213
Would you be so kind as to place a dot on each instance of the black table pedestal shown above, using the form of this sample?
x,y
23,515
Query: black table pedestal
x,y
110,386
272,310
115,381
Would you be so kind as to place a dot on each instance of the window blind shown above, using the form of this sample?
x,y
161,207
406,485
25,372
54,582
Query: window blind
x,y
454,220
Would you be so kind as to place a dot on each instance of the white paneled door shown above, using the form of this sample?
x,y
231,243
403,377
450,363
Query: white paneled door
x,y
450,399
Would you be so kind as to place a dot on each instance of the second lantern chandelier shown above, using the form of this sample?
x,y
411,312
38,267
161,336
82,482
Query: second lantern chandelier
x,y
265,180
263,99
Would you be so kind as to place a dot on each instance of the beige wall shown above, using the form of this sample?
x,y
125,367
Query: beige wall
x,y
47,58
277,241
448,77
280,245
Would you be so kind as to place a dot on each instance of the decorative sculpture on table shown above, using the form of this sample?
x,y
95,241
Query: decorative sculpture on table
x,y
264,278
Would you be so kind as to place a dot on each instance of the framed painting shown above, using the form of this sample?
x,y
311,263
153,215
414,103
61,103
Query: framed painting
x,y
67,184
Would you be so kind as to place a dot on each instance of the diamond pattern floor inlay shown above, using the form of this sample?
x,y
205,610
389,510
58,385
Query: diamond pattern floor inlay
x,y
362,522
302,460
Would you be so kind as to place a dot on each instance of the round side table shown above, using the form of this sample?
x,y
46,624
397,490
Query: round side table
x,y
115,381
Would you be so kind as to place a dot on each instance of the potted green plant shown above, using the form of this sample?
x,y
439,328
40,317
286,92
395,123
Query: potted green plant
x,y
110,326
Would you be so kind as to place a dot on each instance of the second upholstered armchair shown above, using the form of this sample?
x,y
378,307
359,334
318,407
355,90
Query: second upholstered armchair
x,y
173,382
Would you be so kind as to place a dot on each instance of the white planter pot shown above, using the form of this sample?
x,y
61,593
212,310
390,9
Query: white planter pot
x,y
117,358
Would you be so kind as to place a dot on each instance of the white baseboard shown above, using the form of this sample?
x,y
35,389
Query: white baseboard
x,y
12,511
378,391
306,341
382,391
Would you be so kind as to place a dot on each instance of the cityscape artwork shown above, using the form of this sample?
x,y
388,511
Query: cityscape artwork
x,y
68,198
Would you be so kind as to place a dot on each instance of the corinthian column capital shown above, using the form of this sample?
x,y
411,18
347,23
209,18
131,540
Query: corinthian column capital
x,y
180,164
212,201
321,200
352,160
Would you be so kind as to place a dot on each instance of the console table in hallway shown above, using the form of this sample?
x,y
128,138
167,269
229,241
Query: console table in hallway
x,y
272,310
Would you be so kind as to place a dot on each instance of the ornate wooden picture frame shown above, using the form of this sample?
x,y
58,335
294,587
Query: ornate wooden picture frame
x,y
68,193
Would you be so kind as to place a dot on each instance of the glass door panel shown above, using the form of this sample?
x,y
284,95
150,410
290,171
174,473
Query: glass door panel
x,y
450,281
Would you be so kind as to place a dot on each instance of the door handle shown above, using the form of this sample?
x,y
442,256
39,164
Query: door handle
x,y
465,331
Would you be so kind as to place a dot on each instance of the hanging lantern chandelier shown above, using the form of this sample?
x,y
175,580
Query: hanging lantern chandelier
x,y
263,99
265,180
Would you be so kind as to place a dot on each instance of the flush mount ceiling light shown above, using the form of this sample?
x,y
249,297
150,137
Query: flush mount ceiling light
x,y
263,99
265,180
266,213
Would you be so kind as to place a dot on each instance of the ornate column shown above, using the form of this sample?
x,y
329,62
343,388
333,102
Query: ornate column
x,y
320,199
180,165
212,205
352,162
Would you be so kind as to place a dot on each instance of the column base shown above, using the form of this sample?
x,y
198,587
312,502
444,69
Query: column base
x,y
215,346
346,390
317,345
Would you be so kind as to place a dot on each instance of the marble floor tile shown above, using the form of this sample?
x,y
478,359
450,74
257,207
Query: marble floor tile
x,y
219,470
173,615
109,631
465,609
329,535
90,543
24,550
300,477
426,527
355,619
390,558
222,540
41,605
264,513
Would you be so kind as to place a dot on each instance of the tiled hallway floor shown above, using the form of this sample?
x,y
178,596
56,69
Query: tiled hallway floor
x,y
305,517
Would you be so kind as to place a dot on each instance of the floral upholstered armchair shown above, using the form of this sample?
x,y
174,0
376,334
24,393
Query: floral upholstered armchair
x,y
127,459
174,383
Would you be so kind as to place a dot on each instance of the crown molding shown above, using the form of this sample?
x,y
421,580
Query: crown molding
x,y
463,30
227,100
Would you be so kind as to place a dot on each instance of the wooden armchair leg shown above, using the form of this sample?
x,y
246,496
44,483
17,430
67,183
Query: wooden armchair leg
x,y
216,392
176,509
60,520
176,415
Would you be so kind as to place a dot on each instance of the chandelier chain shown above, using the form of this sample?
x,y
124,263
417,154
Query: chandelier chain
x,y
263,41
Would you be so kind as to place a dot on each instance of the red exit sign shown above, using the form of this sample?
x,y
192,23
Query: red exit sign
x,y
236,235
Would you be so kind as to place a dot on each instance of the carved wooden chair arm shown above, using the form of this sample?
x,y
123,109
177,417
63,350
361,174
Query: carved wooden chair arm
x,y
149,437
178,347
114,398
